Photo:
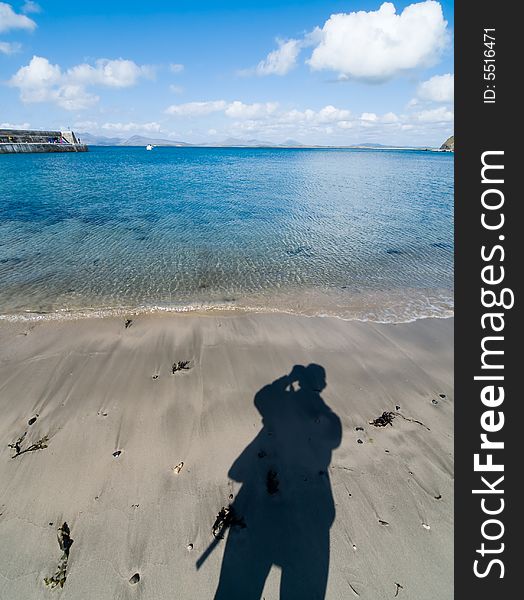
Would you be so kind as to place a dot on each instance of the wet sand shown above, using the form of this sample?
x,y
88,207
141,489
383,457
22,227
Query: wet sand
x,y
111,425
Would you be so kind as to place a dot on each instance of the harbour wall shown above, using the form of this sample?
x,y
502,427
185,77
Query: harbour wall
x,y
15,141
45,147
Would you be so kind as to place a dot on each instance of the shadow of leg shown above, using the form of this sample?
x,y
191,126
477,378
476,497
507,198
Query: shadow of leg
x,y
304,576
244,570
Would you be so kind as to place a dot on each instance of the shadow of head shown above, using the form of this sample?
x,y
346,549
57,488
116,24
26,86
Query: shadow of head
x,y
310,378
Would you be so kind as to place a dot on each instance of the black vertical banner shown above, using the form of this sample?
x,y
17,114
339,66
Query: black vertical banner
x,y
488,322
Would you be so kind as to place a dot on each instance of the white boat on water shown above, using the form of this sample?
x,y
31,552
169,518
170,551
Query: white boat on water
x,y
149,147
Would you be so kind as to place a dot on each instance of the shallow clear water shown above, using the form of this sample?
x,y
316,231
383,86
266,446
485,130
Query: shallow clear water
x,y
355,233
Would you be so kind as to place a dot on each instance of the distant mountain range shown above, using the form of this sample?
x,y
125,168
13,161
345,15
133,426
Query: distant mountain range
x,y
135,140
140,140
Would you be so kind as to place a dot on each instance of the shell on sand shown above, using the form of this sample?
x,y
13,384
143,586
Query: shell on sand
x,y
178,468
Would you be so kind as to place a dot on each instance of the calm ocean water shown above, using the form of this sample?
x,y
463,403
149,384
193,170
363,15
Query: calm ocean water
x,y
355,233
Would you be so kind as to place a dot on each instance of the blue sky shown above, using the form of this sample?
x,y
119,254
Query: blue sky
x,y
327,72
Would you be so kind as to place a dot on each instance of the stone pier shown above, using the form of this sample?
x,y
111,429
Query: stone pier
x,y
15,141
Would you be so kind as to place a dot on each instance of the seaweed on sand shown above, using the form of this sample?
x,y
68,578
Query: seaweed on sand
x,y
17,446
386,418
65,542
181,365
226,517
398,588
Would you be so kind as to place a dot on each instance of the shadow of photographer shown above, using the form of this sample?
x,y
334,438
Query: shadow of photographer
x,y
285,501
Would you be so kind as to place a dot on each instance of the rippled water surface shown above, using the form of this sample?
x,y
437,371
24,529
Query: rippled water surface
x,y
355,233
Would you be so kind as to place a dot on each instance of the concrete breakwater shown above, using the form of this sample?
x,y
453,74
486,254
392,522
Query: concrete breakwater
x,y
15,141
26,147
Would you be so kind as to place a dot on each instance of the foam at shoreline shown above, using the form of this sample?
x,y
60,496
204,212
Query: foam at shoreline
x,y
376,314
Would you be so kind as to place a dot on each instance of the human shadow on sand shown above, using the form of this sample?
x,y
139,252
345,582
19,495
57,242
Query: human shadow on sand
x,y
285,500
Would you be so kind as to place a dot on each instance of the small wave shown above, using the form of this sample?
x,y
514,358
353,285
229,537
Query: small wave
x,y
395,313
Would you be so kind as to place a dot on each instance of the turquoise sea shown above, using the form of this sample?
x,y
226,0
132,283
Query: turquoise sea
x,y
360,234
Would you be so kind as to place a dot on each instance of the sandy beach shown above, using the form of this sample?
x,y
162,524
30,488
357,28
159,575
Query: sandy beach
x,y
138,460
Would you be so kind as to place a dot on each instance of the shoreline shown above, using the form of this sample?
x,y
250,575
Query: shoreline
x,y
119,422
196,311
373,307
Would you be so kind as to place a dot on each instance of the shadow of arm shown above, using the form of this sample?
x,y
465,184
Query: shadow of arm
x,y
335,430
271,392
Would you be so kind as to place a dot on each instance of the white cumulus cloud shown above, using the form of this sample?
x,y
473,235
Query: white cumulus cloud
x,y
375,46
235,110
31,7
36,80
434,115
196,109
330,114
331,124
117,73
440,88
258,110
152,127
281,60
9,47
176,68
9,19
72,97
390,117
41,81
